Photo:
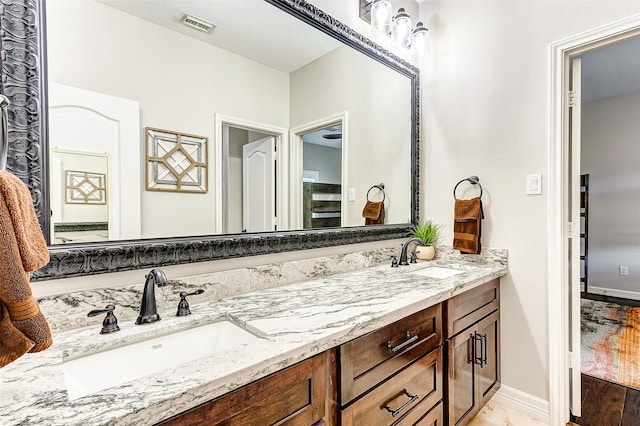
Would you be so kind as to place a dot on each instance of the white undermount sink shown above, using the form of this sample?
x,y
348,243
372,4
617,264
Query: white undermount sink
x,y
437,272
113,367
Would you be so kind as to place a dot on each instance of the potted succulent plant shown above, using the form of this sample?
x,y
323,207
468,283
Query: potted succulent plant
x,y
428,232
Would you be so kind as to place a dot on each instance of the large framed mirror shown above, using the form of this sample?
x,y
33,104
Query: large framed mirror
x,y
146,141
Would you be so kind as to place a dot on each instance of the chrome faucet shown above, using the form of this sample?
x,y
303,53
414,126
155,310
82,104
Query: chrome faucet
x,y
148,309
405,246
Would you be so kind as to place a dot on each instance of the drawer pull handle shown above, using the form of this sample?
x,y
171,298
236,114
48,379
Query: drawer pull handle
x,y
412,398
402,345
479,355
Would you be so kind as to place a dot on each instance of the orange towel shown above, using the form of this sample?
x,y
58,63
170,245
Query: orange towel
x,y
467,226
23,249
373,213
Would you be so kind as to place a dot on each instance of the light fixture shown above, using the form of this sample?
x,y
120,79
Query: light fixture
x,y
419,38
401,30
379,13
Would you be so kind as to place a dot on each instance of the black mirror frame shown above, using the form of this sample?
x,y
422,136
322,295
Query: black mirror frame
x,y
24,80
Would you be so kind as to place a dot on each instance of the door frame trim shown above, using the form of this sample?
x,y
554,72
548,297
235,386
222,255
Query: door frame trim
x,y
557,249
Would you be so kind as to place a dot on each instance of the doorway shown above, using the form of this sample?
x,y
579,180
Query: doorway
x,y
249,174
248,180
609,199
564,227
97,139
318,173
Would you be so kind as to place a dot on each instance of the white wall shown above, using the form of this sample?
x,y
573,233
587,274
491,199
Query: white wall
x,y
610,153
378,128
485,111
156,67
324,159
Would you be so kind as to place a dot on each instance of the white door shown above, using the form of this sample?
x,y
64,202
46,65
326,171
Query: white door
x,y
258,185
574,235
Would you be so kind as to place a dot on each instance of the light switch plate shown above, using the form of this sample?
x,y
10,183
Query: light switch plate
x,y
534,184
352,194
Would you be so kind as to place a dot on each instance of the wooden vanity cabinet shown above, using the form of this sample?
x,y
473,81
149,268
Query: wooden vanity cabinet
x,y
393,376
301,395
472,351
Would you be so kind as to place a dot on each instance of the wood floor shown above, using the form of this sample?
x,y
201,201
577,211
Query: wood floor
x,y
608,404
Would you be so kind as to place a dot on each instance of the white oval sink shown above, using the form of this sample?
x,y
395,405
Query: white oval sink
x,y
112,367
437,272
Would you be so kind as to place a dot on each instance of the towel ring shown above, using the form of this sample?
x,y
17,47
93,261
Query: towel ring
x,y
473,180
381,188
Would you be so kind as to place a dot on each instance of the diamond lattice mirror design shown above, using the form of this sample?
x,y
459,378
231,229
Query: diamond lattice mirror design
x,y
176,162
85,188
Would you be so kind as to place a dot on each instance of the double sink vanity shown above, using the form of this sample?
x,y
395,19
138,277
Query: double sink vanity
x,y
378,345
341,339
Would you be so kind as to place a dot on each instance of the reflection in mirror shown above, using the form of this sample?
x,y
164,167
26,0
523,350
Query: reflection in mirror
x,y
279,81
79,182
276,96
248,181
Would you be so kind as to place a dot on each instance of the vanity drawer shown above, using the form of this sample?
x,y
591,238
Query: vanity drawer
x,y
370,359
300,395
404,399
435,417
471,306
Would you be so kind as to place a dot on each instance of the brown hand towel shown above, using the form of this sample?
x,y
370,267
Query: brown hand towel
x,y
22,250
373,213
467,225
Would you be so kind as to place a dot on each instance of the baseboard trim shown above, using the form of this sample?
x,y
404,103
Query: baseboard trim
x,y
525,403
624,294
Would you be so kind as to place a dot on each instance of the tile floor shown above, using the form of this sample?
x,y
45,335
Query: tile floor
x,y
495,414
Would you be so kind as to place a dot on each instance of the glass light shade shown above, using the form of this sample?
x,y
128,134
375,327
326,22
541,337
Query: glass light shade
x,y
420,39
381,13
401,30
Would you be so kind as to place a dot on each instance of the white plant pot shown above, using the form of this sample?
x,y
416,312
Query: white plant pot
x,y
425,252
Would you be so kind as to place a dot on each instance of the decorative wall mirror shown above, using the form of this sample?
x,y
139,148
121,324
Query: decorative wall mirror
x,y
99,90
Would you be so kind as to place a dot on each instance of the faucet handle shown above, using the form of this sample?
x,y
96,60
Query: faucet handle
x,y
414,257
183,305
110,322
394,261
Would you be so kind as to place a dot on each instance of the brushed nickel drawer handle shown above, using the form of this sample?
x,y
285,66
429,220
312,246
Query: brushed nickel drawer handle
x,y
402,345
412,398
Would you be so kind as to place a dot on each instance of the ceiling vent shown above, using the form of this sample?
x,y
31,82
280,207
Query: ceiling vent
x,y
197,23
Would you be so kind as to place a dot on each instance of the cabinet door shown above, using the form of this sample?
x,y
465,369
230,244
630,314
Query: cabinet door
x,y
488,371
461,376
466,309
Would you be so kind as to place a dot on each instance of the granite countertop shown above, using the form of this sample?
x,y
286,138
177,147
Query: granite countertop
x,y
292,323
